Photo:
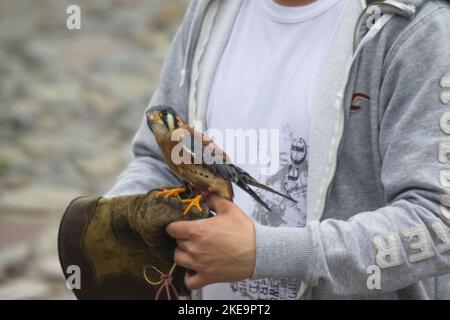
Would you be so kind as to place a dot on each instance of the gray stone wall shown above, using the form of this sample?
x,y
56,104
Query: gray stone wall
x,y
70,102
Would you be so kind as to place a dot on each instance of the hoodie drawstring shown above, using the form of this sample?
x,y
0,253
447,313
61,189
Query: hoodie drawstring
x,y
190,43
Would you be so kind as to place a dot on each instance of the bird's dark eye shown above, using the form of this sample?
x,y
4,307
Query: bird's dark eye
x,y
163,113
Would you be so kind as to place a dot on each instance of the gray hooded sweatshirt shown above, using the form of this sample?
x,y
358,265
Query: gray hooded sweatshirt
x,y
379,176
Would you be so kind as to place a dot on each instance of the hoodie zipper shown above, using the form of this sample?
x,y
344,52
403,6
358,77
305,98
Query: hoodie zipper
x,y
343,96
342,108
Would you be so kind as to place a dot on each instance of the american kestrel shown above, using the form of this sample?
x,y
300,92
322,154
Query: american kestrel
x,y
208,168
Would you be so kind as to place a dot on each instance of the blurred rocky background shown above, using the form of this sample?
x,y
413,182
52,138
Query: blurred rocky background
x,y
70,102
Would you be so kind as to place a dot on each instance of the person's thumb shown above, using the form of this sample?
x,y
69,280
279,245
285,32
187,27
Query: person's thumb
x,y
217,204
195,282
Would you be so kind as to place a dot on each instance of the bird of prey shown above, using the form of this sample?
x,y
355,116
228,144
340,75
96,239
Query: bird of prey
x,y
208,168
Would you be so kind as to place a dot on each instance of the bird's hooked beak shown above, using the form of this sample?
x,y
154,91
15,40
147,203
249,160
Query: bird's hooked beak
x,y
152,117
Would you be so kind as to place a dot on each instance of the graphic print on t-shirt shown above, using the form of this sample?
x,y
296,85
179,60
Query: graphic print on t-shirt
x,y
291,179
267,289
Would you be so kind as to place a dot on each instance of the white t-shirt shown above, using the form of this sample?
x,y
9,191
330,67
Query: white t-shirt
x,y
265,81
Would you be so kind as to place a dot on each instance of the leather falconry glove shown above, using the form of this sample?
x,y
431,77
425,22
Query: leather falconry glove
x,y
121,247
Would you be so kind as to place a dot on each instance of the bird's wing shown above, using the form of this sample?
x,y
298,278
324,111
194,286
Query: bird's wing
x,y
208,154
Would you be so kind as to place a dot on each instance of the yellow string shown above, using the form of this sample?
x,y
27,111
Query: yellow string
x,y
148,280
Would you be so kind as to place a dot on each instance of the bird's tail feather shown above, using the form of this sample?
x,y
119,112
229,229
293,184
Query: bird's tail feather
x,y
246,179
253,194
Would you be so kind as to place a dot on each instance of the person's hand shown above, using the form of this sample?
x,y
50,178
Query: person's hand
x,y
219,249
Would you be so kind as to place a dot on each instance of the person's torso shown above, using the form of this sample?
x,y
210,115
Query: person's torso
x,y
262,93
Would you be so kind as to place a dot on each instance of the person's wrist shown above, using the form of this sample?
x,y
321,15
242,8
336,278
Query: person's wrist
x,y
252,252
283,252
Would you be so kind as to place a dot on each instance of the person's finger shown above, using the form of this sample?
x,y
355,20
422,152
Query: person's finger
x,y
179,230
182,258
195,281
217,204
184,245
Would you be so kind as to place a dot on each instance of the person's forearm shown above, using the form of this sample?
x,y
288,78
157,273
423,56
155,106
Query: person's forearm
x,y
142,175
336,255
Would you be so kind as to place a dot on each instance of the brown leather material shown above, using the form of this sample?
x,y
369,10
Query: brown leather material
x,y
115,241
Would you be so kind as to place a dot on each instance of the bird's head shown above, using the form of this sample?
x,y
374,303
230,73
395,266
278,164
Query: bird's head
x,y
163,120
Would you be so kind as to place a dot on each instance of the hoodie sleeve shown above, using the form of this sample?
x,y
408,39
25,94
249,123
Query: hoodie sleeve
x,y
409,239
148,169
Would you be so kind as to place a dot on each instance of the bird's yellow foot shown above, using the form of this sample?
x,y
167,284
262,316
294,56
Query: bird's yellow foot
x,y
175,192
194,202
